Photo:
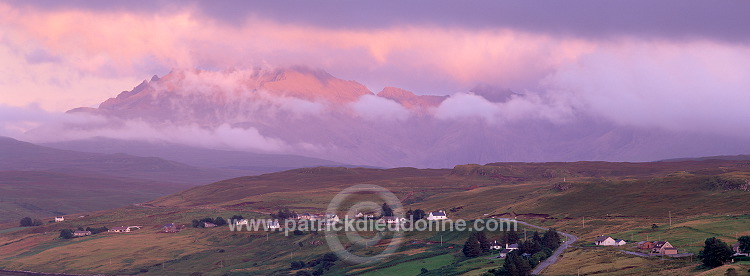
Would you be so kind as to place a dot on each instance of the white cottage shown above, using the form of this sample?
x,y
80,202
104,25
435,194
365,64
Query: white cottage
x,y
437,215
605,241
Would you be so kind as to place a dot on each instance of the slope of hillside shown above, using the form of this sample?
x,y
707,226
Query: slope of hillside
x,y
18,155
44,194
705,198
555,189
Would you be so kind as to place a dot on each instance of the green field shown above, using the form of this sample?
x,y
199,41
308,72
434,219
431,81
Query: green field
x,y
618,199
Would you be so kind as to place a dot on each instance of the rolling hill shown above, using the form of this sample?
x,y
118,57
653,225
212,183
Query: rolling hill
x,y
705,198
41,194
553,189
42,182
18,155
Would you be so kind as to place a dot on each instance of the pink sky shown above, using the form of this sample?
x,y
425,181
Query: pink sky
x,y
648,68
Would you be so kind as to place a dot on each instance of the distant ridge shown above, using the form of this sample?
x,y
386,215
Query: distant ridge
x,y
738,157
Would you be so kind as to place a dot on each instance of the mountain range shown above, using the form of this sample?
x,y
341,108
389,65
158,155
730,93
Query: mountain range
x,y
311,113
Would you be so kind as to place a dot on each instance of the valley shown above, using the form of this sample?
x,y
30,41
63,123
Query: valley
x,y
610,198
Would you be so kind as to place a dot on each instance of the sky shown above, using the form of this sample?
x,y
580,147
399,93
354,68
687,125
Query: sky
x,y
668,64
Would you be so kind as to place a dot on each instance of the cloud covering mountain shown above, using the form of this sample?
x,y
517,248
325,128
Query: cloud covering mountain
x,y
310,112
492,80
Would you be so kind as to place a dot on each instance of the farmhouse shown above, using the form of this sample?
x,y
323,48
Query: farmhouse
x,y
437,215
81,233
391,219
663,248
241,222
59,219
120,229
620,242
308,216
737,251
207,224
272,224
170,228
605,241
332,218
361,215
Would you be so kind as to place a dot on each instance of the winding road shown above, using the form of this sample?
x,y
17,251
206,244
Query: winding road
x,y
552,259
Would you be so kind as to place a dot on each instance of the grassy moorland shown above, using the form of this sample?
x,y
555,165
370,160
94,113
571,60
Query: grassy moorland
x,y
704,198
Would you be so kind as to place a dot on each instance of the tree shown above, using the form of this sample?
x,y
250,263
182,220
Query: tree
x,y
196,223
297,265
484,244
744,244
472,248
654,226
303,273
551,239
731,272
509,267
715,252
423,271
419,214
66,234
530,247
387,211
219,221
536,237
26,222
511,237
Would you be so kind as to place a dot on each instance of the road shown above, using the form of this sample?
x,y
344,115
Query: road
x,y
552,259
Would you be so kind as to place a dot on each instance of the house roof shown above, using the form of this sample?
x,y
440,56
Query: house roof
x,y
513,245
619,240
602,238
82,232
506,250
119,228
660,244
438,213
170,225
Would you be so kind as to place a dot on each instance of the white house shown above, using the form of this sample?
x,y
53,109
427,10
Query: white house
x,y
605,241
273,224
496,246
241,222
620,242
332,218
121,229
59,219
391,219
437,215
361,215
